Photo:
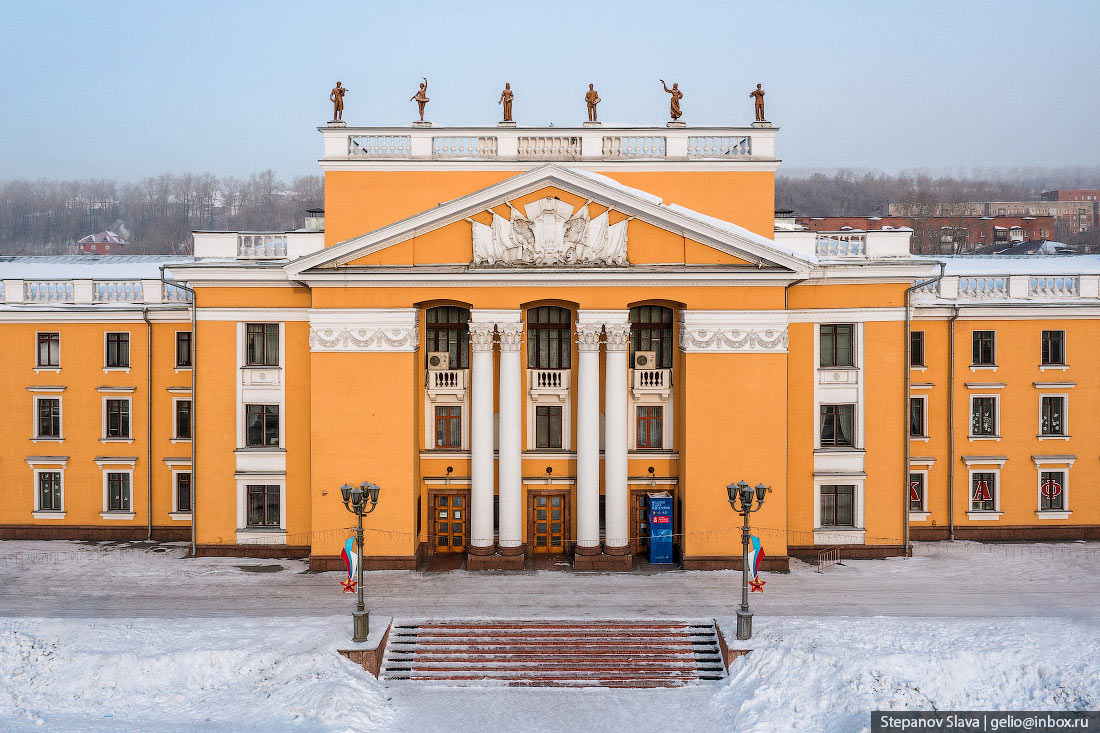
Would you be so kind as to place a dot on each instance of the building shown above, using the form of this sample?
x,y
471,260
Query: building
x,y
104,243
945,234
1071,217
1075,194
519,334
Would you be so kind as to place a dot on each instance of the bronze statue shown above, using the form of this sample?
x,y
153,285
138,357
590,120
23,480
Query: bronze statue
x,y
506,100
421,97
336,96
674,104
591,98
758,94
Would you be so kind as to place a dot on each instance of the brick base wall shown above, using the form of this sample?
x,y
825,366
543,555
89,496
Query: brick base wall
x,y
851,552
1009,534
774,564
93,533
280,552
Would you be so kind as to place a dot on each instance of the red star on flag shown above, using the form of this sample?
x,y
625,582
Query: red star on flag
x,y
757,585
349,585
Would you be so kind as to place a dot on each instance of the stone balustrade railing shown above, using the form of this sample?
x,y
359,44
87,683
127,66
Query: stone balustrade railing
x,y
634,146
1008,287
261,246
90,292
467,146
831,244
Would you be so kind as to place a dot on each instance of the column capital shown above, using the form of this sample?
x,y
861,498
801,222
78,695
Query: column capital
x,y
588,336
618,336
481,336
511,336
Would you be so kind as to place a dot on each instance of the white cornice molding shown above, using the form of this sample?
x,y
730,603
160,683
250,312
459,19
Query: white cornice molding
x,y
731,332
364,329
252,314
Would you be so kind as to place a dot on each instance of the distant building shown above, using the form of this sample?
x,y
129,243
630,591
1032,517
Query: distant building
x,y
1070,216
1072,194
103,243
944,234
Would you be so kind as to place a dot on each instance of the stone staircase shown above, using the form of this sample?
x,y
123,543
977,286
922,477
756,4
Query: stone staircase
x,y
554,653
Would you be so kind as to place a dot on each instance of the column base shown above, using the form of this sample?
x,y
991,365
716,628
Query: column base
x,y
495,562
517,550
603,562
582,550
609,550
480,550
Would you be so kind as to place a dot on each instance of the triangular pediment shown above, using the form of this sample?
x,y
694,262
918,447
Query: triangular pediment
x,y
554,217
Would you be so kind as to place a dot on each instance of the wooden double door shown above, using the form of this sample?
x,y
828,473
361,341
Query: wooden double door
x,y
450,521
548,521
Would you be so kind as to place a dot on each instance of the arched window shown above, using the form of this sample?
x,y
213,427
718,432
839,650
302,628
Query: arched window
x,y
446,328
549,337
651,330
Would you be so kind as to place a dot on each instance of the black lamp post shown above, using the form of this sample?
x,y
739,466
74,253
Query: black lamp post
x,y
355,499
741,499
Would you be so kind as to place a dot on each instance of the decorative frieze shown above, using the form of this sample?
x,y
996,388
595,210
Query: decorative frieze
x,y
732,332
366,329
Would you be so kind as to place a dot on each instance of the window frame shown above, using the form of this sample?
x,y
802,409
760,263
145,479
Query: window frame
x,y
266,331
129,432
266,489
49,338
915,338
265,414
996,428
60,488
452,427
821,493
644,425
995,493
550,420
37,430
1044,399
922,477
978,339
834,339
837,422
121,350
1044,348
539,332
455,334
176,476
1064,495
658,335
190,340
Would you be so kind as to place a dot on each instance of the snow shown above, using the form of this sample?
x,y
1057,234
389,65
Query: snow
x,y
1021,264
89,267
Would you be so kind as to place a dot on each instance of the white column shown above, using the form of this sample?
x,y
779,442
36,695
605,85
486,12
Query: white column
x,y
481,435
511,437
616,495
588,437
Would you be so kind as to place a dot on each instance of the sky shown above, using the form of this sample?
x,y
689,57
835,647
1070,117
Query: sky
x,y
130,89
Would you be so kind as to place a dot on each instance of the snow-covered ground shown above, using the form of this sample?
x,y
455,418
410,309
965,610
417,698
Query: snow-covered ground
x,y
94,638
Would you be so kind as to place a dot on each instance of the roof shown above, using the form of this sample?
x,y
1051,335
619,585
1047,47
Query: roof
x,y
1020,264
105,237
87,267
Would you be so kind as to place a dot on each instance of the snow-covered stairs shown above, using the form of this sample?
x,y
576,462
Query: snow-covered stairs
x,y
554,653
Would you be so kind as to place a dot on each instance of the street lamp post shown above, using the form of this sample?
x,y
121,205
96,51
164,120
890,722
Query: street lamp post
x,y
741,500
355,499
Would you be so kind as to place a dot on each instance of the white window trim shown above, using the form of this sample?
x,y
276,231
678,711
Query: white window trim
x,y
60,418
39,512
129,353
855,535
857,352
1064,435
38,367
176,514
826,395
996,418
923,514
244,427
566,420
103,419
175,421
666,422
1052,513
256,395
108,513
983,515
429,426
924,418
258,535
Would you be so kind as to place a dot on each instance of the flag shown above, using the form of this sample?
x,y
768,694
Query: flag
x,y
350,559
756,557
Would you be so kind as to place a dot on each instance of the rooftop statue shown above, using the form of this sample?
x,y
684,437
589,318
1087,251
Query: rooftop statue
x,y
506,100
421,97
674,103
758,95
336,96
592,98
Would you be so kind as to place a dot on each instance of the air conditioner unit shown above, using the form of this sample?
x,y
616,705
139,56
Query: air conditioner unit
x,y
645,359
439,361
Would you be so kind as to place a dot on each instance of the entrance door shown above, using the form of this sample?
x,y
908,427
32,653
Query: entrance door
x,y
548,528
449,522
639,522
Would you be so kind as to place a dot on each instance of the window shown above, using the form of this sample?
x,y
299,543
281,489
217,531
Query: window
x,y
183,492
983,416
984,352
48,412
262,426
183,349
1052,415
916,492
118,419
49,491
549,338
263,344
263,506
650,426
448,426
49,350
916,417
548,426
916,349
1054,348
836,425
983,491
837,341
118,492
118,351
651,330
838,505
447,329
1052,494
183,419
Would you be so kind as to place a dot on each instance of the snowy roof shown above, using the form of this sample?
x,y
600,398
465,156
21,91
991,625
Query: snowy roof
x,y
1021,264
105,237
87,267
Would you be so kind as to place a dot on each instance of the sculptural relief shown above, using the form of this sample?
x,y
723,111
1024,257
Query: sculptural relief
x,y
549,232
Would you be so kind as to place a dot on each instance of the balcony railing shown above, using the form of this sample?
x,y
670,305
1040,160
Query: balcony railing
x,y
379,146
652,379
1054,287
1014,287
842,245
446,381
553,382
719,146
48,291
545,146
91,292
261,246
633,146
464,147
983,287
126,291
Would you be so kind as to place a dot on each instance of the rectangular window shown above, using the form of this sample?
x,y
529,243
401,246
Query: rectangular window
x,y
650,426
48,410
183,492
916,417
983,416
837,345
984,348
547,426
262,426
838,505
118,419
448,426
263,344
836,426
1052,411
1054,348
183,348
118,492
183,419
916,349
263,506
118,351
916,492
1052,491
49,491
983,492
49,350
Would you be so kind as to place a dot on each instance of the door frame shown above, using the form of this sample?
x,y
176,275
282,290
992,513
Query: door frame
x,y
677,518
567,518
456,491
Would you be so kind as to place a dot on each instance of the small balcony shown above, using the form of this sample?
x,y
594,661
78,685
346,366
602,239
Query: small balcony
x,y
548,383
652,382
446,383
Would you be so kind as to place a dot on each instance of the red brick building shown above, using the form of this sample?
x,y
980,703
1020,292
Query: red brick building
x,y
104,243
1072,194
945,234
